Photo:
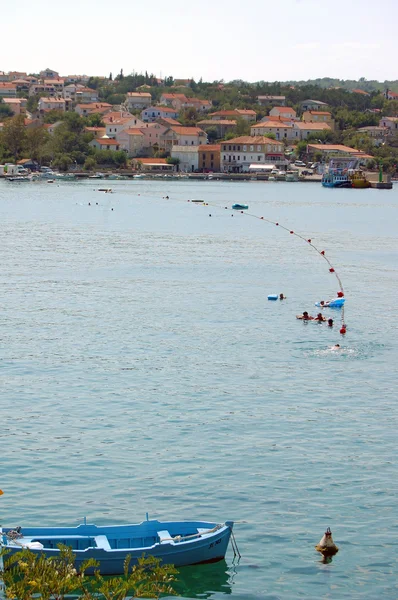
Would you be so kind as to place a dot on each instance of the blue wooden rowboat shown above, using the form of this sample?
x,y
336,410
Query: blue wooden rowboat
x,y
179,543
240,206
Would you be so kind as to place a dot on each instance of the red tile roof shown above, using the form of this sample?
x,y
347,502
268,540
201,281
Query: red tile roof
x,y
107,142
210,148
252,140
187,130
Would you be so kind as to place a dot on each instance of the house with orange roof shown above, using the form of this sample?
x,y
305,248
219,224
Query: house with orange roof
x,y
318,116
98,132
138,100
132,141
391,95
358,91
330,150
4,76
209,158
222,126
115,122
8,90
105,143
17,105
302,129
152,133
57,83
220,115
199,104
51,127
283,111
46,104
246,114
100,108
152,164
79,93
155,112
182,136
177,101
247,153
313,105
167,122
281,130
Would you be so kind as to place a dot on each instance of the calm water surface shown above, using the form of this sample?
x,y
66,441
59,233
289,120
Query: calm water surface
x,y
143,369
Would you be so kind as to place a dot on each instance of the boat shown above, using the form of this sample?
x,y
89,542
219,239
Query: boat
x,y
180,543
291,176
97,176
358,179
336,178
240,206
17,178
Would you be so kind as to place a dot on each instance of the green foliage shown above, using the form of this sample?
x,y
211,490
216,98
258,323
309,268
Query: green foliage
x,y
53,116
212,134
36,139
171,160
90,163
13,135
62,162
30,576
5,110
94,120
32,103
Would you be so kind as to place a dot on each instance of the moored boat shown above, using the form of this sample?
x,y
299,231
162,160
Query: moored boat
x,y
240,206
358,179
179,543
336,178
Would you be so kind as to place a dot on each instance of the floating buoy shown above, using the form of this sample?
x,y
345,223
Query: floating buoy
x,y
272,296
209,214
292,232
331,270
343,331
309,241
323,252
326,546
277,224
340,295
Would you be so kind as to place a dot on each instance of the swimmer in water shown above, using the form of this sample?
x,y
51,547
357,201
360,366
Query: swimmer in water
x,y
336,347
330,322
305,316
282,297
320,317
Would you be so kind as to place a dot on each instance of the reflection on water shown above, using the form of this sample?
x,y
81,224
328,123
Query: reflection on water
x,y
202,581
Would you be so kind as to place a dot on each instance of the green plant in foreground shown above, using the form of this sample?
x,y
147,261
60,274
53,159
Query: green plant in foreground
x,y
28,575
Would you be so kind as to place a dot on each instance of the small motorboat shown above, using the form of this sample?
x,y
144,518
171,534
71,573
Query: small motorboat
x,y
240,206
179,543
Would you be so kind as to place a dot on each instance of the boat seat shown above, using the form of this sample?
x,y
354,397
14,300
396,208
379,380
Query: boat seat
x,y
102,542
165,537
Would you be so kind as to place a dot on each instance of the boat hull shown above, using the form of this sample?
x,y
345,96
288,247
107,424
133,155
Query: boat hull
x,y
201,542
337,184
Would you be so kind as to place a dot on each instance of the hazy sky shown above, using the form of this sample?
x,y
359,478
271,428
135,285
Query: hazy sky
x,y
214,39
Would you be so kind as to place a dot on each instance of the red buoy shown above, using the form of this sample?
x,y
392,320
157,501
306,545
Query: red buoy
x,y
277,224
340,295
343,330
331,270
292,232
323,252
261,217
309,241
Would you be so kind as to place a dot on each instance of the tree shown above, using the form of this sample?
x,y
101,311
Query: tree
x,y
90,163
62,162
36,140
212,134
13,135
95,120
5,109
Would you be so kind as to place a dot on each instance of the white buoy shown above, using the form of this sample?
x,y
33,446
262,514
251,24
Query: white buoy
x,y
326,546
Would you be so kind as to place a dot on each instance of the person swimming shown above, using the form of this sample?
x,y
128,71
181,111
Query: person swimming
x,y
336,347
320,317
305,316
282,297
330,322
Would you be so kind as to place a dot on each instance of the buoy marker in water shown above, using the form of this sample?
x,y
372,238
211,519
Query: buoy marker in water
x,y
326,546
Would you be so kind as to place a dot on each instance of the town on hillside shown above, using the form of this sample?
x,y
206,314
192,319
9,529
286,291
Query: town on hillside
x,y
143,123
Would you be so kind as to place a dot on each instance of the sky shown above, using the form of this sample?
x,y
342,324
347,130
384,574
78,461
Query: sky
x,y
213,39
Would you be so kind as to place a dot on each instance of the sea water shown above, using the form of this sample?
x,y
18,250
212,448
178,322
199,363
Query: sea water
x,y
142,369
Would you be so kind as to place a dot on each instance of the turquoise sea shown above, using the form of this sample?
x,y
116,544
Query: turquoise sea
x,y
142,369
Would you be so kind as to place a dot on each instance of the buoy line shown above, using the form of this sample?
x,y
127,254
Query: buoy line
x,y
308,241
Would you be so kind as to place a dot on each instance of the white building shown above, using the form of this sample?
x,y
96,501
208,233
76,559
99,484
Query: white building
x,y
182,136
46,104
188,157
132,141
391,123
271,100
115,122
283,111
312,105
242,154
152,113
281,130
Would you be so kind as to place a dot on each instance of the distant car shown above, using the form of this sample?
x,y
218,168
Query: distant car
x,y
300,163
307,172
314,165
